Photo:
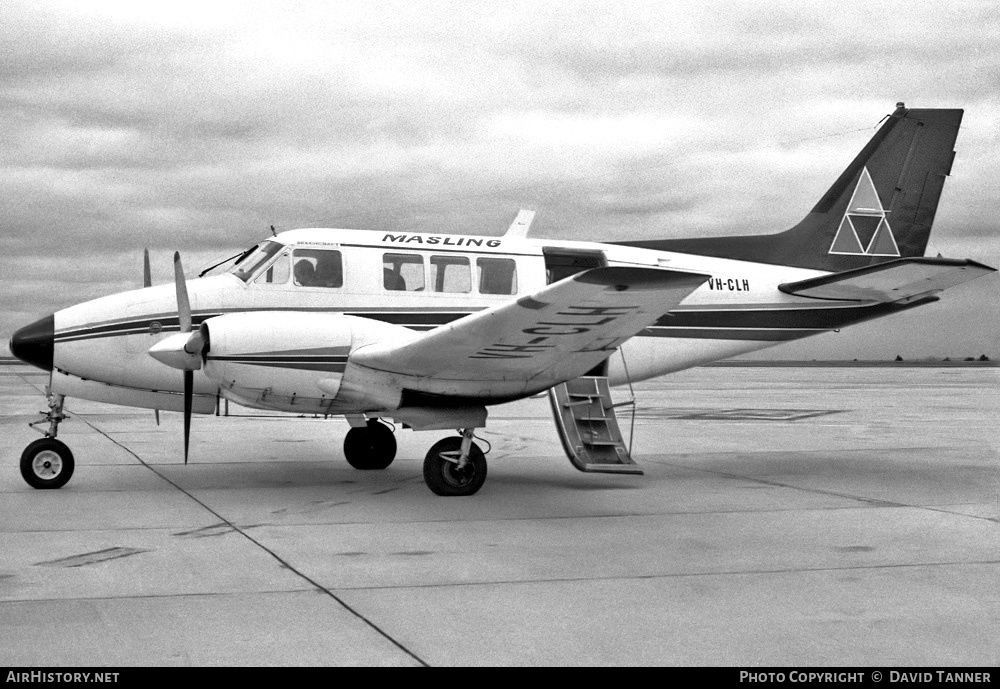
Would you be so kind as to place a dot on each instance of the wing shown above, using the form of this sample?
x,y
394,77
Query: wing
x,y
556,334
890,282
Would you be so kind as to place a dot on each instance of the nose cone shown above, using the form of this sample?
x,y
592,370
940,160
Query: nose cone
x,y
33,344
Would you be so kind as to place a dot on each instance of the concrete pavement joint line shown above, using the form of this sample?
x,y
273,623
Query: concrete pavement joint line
x,y
577,517
155,596
871,501
930,508
675,575
798,452
267,550
509,582
29,384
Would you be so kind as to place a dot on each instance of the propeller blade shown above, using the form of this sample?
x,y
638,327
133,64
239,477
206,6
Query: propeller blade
x,y
147,275
190,346
183,305
188,395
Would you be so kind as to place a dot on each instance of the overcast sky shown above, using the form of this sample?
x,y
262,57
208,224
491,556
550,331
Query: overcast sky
x,y
195,126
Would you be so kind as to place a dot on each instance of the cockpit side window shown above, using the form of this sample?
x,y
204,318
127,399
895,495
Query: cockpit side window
x,y
246,267
318,268
277,273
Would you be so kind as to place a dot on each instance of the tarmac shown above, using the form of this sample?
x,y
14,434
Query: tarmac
x,y
787,517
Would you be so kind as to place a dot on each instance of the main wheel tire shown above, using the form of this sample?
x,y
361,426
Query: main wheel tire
x,y
444,477
370,447
47,463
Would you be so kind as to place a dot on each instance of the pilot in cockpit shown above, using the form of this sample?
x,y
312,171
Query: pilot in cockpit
x,y
305,273
328,272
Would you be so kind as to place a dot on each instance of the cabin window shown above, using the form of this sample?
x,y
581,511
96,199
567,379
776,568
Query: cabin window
x,y
277,273
403,272
318,268
451,274
497,275
261,255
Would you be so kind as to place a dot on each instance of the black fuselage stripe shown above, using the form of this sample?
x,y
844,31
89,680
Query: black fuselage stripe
x,y
820,315
679,323
310,366
763,335
810,319
422,321
253,359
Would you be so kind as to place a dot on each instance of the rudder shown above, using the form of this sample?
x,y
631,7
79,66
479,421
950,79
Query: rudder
x,y
883,205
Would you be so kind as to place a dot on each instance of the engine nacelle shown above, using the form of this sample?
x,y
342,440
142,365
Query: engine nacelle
x,y
297,361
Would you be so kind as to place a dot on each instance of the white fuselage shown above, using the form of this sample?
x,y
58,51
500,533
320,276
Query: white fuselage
x,y
101,347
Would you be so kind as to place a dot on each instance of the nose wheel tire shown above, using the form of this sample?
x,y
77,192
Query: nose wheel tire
x,y
47,463
370,447
443,475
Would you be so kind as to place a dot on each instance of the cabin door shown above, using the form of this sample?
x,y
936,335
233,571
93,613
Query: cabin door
x,y
561,263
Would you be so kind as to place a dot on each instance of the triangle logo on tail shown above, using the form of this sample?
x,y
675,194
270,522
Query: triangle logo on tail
x,y
864,230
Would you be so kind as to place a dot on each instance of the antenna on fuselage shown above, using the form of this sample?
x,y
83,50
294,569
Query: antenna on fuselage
x,y
147,275
273,233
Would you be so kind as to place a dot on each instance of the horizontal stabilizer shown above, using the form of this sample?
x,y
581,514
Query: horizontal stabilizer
x,y
890,282
555,334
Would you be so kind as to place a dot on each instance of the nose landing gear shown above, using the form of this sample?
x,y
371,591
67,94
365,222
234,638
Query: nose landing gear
x,y
48,463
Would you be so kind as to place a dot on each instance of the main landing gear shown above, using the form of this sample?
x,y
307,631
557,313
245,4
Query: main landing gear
x,y
47,463
455,466
370,447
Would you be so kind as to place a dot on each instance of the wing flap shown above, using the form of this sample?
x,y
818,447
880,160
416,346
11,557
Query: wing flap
x,y
558,333
890,282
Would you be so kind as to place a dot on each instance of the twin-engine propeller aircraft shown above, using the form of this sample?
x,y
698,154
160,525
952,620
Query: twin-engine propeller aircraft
x,y
430,330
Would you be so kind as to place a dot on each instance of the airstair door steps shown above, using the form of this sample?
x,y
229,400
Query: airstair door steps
x,y
588,427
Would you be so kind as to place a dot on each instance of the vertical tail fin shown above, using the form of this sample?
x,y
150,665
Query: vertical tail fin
x,y
880,208
883,204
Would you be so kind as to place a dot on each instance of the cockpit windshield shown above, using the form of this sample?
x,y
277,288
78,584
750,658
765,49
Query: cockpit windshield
x,y
248,265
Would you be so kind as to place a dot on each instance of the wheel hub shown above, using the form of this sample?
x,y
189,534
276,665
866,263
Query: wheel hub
x,y
458,475
47,464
